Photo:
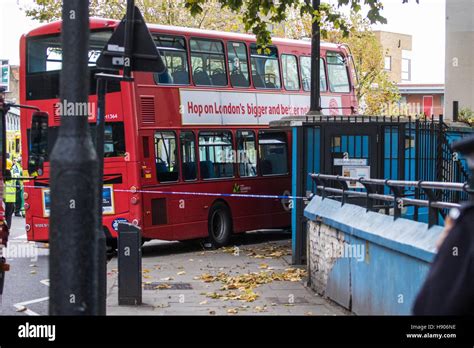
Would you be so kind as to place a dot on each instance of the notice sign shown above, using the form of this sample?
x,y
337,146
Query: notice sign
x,y
108,207
4,74
356,172
226,108
350,161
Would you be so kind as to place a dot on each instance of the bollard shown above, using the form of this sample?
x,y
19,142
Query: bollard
x,y
129,258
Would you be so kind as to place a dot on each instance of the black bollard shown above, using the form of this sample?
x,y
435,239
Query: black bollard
x,y
129,258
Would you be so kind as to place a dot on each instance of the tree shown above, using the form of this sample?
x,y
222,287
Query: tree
x,y
253,15
168,12
375,91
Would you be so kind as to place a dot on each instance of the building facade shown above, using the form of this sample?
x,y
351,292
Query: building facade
x,y
459,70
397,50
419,99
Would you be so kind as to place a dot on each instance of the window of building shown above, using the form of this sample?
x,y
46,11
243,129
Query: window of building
x,y
305,66
238,64
406,69
265,67
387,63
188,156
208,62
272,150
166,154
174,55
216,155
337,73
289,65
246,153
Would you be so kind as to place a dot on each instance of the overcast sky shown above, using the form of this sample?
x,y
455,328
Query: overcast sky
x,y
424,21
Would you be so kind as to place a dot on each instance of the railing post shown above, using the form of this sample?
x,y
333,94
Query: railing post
x,y
397,195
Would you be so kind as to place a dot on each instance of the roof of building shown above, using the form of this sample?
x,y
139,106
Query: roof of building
x,y
421,88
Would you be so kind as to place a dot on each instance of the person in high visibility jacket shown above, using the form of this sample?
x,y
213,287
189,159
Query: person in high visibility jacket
x,y
17,171
9,194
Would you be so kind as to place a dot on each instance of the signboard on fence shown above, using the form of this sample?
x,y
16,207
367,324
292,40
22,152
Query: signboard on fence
x,y
356,172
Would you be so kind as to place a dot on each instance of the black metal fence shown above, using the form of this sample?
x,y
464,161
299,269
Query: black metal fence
x,y
398,200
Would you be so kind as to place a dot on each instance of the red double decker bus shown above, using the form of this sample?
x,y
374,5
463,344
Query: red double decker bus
x,y
179,143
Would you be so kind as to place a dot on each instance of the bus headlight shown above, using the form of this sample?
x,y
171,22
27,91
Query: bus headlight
x,y
27,227
133,189
136,222
26,206
134,200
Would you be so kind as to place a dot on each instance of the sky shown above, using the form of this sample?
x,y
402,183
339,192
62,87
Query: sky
x,y
424,21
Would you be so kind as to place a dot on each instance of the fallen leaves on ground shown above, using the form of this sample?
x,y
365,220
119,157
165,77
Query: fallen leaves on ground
x,y
181,273
240,287
162,286
272,251
21,309
269,251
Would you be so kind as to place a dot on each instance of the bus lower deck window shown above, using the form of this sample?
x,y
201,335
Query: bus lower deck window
x,y
273,155
188,155
166,154
216,155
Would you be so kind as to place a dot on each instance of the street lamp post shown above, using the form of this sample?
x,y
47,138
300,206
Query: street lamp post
x,y
315,103
74,269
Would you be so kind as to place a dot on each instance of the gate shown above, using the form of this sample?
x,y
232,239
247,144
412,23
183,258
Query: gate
x,y
377,147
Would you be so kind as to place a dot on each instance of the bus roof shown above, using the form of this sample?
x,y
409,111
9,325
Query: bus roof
x,y
97,23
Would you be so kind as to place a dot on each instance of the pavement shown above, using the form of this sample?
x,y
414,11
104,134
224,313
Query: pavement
x,y
253,276
26,287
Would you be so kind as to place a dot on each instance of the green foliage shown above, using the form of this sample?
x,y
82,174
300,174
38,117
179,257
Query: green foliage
x,y
466,115
255,15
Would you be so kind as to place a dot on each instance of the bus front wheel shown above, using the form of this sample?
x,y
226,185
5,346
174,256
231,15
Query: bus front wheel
x,y
219,225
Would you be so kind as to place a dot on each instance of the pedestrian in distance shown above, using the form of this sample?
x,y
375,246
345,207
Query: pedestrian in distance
x,y
17,172
9,194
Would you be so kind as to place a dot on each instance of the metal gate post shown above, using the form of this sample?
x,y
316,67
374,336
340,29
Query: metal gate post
x,y
129,258
299,222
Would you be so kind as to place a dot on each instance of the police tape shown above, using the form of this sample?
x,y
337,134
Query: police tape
x,y
191,193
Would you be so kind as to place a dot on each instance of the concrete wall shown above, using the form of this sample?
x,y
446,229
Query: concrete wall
x,y
365,261
459,55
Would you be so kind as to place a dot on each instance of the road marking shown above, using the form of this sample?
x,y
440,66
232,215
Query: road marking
x,y
45,282
28,311
23,237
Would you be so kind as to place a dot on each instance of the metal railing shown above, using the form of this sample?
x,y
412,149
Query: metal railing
x,y
401,197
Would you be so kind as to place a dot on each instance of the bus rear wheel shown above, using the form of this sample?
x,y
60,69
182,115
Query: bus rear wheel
x,y
219,225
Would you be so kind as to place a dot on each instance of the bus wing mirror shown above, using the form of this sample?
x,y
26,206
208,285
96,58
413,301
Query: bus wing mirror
x,y
38,143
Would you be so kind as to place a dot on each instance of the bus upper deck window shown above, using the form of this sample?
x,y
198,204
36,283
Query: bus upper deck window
x,y
305,68
265,67
289,65
238,64
173,52
337,73
208,62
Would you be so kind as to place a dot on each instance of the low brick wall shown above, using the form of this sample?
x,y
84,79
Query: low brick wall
x,y
366,261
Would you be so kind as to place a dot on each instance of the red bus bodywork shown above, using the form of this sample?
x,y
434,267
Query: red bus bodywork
x,y
146,107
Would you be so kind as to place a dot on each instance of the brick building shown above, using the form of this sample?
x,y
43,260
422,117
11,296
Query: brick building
x,y
397,55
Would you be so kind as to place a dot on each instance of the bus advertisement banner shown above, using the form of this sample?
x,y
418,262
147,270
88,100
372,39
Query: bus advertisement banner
x,y
234,108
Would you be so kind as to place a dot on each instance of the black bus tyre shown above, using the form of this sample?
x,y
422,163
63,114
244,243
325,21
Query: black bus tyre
x,y
219,225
